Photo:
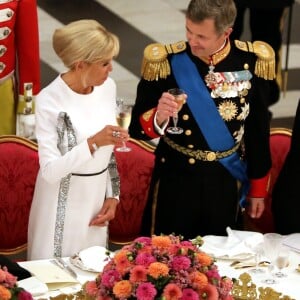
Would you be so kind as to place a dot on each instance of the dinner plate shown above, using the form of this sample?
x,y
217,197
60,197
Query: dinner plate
x,y
92,259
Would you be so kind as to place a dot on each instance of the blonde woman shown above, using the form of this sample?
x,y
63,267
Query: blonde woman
x,y
77,187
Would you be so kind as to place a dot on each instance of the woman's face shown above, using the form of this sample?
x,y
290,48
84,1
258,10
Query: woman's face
x,y
94,74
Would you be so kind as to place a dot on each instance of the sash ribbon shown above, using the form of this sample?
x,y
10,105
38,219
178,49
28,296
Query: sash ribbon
x,y
208,118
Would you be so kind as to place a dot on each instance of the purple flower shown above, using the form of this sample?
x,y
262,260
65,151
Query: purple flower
x,y
146,291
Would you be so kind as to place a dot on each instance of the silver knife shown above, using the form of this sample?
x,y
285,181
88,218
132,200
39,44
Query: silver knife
x,y
63,265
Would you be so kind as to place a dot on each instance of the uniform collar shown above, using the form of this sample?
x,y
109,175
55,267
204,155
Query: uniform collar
x,y
219,55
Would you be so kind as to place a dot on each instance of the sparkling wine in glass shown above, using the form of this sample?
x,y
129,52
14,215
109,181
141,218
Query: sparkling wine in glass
x,y
123,116
282,261
180,99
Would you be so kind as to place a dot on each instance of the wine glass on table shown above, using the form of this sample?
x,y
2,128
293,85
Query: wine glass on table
x,y
282,261
257,250
180,99
272,243
123,116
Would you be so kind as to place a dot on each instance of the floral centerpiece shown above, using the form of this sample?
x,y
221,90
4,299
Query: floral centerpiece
x,y
160,267
9,289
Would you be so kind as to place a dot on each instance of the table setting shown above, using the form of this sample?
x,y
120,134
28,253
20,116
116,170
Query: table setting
x,y
235,256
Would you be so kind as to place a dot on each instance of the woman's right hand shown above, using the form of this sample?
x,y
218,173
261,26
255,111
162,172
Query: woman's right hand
x,y
109,135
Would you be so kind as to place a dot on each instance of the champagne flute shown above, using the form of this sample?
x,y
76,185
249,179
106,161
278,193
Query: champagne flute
x,y
123,116
179,98
272,244
282,261
258,253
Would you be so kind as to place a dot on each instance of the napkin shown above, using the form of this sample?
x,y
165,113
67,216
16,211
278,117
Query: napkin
x,y
50,274
92,259
34,286
236,245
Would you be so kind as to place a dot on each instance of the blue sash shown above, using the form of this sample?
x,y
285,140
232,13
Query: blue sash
x,y
208,118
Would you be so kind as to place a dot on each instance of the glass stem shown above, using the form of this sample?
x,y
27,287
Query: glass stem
x,y
175,119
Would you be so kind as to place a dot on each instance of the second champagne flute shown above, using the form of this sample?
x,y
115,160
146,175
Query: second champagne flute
x,y
272,244
282,261
179,98
123,116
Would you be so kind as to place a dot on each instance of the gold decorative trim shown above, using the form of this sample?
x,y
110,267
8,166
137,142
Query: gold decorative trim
x,y
155,63
144,144
265,63
218,56
19,140
14,251
205,155
281,130
148,114
245,289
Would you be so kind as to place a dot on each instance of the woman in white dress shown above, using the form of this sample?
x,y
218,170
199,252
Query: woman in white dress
x,y
77,188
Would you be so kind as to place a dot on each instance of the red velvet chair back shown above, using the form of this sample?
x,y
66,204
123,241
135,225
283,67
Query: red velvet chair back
x,y
280,141
135,170
19,165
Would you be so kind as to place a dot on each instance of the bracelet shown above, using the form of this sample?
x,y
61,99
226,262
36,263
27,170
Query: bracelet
x,y
95,146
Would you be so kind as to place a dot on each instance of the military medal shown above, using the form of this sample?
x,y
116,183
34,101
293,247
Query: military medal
x,y
228,84
210,78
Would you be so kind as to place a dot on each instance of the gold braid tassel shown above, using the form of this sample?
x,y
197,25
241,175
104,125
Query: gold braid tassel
x,y
155,64
265,63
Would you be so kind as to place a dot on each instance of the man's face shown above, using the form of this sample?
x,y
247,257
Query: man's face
x,y
203,38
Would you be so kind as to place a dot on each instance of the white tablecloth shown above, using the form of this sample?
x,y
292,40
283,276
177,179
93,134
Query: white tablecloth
x,y
287,286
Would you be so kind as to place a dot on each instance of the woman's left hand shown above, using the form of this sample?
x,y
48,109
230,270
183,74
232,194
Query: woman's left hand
x,y
106,213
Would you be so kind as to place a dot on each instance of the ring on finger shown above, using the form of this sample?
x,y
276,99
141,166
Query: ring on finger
x,y
115,133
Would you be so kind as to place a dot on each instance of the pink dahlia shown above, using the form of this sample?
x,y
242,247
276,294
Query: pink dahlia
x,y
180,263
172,292
209,292
146,291
138,274
109,278
144,259
189,294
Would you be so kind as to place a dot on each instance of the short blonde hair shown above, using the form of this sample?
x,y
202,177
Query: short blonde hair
x,y
84,40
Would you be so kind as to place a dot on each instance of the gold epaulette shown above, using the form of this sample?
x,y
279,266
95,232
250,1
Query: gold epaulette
x,y
155,63
265,64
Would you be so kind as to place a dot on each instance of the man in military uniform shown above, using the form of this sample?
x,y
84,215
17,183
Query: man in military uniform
x,y
221,161
266,19
19,66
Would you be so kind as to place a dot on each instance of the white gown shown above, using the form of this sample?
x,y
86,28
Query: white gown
x,y
88,114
